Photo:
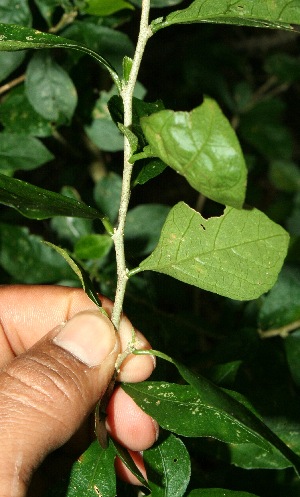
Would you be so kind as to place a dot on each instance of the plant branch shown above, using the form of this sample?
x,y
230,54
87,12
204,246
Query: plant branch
x,y
127,95
11,84
283,331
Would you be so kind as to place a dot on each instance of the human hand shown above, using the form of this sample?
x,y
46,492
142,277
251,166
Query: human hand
x,y
51,380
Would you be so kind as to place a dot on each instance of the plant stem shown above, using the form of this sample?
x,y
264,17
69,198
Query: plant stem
x,y
283,331
127,95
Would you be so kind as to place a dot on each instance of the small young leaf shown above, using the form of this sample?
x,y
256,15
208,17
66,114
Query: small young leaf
x,y
203,147
37,203
94,473
279,15
146,170
168,467
238,254
126,458
50,89
14,37
105,7
20,152
83,276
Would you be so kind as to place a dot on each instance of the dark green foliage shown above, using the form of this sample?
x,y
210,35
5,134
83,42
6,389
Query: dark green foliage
x,y
218,225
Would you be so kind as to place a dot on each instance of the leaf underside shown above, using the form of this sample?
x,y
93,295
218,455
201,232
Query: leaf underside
x,y
237,255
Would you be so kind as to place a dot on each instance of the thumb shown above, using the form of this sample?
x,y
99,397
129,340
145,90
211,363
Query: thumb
x,y
46,393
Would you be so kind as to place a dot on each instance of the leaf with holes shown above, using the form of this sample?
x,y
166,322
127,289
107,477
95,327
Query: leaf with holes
x,y
238,254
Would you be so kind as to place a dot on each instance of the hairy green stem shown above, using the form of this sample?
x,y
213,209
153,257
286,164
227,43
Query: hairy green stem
x,y
127,95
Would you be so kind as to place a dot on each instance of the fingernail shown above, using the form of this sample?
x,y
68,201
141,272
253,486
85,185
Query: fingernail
x,y
89,336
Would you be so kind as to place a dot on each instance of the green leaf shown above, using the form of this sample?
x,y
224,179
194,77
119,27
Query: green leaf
x,y
203,147
143,227
20,152
282,304
93,246
71,228
27,259
102,130
168,468
9,61
107,195
127,460
105,7
182,410
140,109
50,89
238,254
37,203
18,116
83,276
14,37
12,13
94,474
147,169
276,15
223,414
218,492
9,13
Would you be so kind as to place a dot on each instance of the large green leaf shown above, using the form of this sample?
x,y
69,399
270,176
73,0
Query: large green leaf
x,y
50,89
37,203
203,147
238,254
94,474
13,37
168,468
182,410
222,414
274,14
21,152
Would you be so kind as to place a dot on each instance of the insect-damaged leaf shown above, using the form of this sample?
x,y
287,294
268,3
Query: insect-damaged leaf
x,y
203,147
238,254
